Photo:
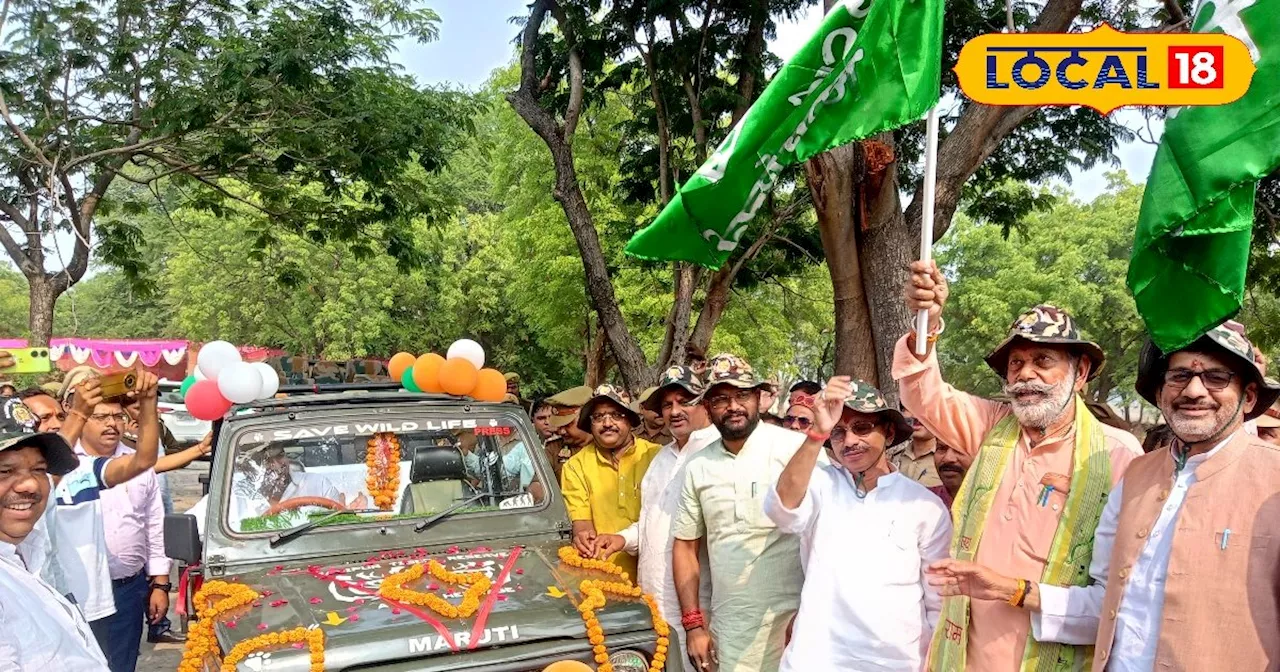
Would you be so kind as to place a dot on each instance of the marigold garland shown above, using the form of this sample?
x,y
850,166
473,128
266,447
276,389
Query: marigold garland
x,y
218,598
393,588
593,592
382,460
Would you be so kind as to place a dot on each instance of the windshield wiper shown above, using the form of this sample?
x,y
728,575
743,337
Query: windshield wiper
x,y
454,509
281,537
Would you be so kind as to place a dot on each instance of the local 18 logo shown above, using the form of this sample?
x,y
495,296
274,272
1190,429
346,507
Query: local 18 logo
x,y
1104,69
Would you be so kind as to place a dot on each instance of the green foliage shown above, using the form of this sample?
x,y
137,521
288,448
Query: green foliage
x,y
291,109
1074,256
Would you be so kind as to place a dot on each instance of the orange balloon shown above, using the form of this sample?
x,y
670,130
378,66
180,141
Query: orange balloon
x,y
491,385
567,666
426,372
399,364
458,376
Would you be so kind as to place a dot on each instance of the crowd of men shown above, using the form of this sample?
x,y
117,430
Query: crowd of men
x,y
951,532
947,532
82,563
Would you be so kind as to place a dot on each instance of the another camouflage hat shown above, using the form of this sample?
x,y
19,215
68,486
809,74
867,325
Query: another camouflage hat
x,y
732,370
1227,338
865,398
73,378
679,376
1046,325
602,394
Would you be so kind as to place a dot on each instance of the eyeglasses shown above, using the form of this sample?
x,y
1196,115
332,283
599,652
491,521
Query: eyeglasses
x,y
674,404
862,428
721,401
1213,379
603,416
796,421
104,418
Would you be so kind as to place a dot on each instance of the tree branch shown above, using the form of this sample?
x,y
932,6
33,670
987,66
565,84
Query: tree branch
x,y
574,110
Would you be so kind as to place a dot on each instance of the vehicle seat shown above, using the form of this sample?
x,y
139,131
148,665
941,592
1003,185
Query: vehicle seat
x,y
437,480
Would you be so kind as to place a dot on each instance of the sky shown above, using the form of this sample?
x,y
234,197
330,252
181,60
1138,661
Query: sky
x,y
473,43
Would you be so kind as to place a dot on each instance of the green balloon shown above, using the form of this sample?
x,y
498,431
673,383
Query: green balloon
x,y
186,385
407,381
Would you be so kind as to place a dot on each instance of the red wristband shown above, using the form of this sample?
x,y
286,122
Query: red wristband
x,y
691,620
817,438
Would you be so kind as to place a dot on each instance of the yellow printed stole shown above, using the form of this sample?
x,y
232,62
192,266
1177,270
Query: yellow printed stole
x,y
1069,555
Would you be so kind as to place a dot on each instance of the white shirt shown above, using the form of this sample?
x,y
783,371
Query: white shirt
x,y
1070,615
866,605
50,569
301,484
39,629
81,539
653,536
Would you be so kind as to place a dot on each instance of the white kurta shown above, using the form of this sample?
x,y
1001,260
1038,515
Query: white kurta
x,y
39,629
866,605
653,536
755,567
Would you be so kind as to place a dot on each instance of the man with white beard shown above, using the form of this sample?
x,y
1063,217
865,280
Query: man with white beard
x,y
1042,469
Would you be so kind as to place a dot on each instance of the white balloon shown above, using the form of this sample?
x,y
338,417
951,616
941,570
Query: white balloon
x,y
240,383
270,380
216,356
468,350
199,374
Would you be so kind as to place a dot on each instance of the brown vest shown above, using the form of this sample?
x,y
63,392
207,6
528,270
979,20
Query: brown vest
x,y
1221,606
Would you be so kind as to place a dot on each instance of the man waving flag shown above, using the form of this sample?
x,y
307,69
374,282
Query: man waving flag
x,y
1191,246
872,66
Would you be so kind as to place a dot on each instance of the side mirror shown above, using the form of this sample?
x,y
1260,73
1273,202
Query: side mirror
x,y
182,538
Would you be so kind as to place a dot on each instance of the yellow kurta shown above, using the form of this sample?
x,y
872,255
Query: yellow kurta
x,y
607,496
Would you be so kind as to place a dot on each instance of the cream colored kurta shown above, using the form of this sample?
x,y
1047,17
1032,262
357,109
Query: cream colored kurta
x,y
755,567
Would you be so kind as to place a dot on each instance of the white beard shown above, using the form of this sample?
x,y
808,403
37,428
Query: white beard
x,y
1039,415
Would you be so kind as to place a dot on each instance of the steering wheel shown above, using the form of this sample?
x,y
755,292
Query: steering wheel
x,y
297,502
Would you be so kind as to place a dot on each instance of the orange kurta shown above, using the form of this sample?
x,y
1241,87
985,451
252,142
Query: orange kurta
x,y
1018,531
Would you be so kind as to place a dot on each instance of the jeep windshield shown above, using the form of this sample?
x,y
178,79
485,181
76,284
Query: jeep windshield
x,y
378,467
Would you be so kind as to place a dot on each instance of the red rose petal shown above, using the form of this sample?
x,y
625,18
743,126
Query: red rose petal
x,y
262,626
316,600
299,645
354,617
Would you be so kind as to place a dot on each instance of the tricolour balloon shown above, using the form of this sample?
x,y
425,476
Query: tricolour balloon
x,y
215,356
186,385
469,350
458,376
398,364
426,373
270,380
491,385
205,402
240,383
408,381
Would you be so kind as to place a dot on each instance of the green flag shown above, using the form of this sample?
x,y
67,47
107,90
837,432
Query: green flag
x,y
872,66
1191,246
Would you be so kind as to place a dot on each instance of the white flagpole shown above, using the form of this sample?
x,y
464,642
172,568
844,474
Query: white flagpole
x,y
926,220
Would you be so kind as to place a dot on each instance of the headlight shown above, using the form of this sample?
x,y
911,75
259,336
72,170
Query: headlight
x,y
629,661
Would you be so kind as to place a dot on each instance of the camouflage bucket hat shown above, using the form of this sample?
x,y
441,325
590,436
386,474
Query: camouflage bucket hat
x,y
602,394
1228,338
867,399
682,377
1046,325
732,370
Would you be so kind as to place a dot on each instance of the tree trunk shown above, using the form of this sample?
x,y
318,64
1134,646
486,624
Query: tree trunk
x,y
597,359
712,308
888,245
831,178
44,295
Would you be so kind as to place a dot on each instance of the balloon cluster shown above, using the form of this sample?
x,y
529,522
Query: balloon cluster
x,y
461,374
222,378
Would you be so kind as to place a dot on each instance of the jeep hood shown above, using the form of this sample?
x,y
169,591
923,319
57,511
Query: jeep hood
x,y
534,597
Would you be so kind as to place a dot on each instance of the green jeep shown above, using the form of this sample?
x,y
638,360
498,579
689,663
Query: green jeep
x,y
290,513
